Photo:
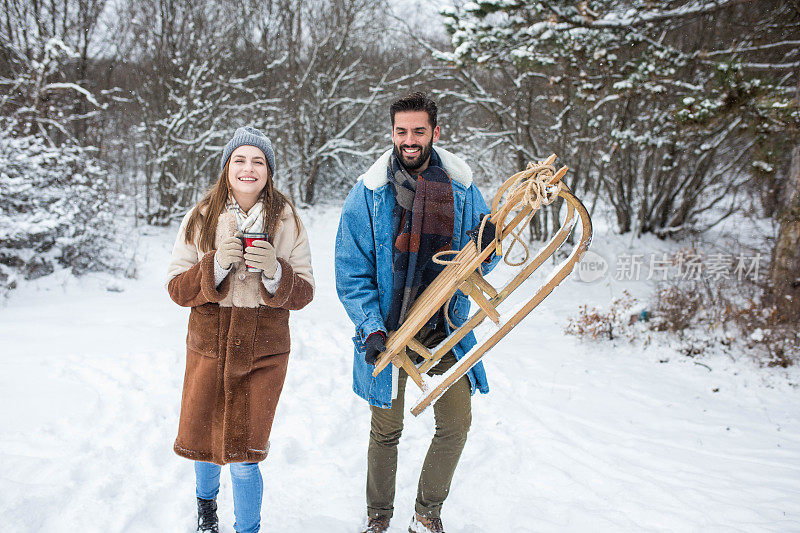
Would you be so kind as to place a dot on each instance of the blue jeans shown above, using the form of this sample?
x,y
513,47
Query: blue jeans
x,y
248,489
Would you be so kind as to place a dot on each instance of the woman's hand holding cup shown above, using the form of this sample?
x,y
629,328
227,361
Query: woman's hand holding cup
x,y
261,254
229,252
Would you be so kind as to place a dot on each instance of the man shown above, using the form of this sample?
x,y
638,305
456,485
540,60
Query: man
x,y
413,202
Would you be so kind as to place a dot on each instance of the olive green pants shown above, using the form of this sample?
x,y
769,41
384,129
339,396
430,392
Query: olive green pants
x,y
453,415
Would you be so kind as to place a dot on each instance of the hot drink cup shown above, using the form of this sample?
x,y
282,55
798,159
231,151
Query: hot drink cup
x,y
247,240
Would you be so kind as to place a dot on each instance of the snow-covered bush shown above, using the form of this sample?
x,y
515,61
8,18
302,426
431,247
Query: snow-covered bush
x,y
727,313
774,341
617,321
675,308
55,211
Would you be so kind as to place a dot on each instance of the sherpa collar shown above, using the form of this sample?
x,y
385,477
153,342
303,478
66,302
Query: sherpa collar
x,y
455,166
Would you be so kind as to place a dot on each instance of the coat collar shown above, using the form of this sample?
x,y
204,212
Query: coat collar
x,y
456,167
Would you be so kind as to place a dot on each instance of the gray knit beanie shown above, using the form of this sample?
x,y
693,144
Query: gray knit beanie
x,y
247,136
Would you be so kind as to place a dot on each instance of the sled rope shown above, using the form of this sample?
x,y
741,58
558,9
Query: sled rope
x,y
536,186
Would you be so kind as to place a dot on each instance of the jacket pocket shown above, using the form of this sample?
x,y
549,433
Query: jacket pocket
x,y
359,344
460,309
272,331
203,335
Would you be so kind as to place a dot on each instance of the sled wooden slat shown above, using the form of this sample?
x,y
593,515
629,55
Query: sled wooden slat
x,y
482,284
472,290
555,242
559,175
463,365
518,198
430,301
417,347
405,363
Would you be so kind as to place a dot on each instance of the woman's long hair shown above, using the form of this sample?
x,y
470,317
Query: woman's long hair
x,y
207,211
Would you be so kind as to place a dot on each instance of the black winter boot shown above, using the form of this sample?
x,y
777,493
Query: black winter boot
x,y
207,516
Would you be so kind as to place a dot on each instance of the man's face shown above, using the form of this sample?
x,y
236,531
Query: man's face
x,y
413,139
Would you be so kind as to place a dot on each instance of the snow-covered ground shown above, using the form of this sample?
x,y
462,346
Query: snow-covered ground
x,y
574,436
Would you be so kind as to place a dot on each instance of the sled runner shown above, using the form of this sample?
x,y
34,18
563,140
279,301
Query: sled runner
x,y
521,196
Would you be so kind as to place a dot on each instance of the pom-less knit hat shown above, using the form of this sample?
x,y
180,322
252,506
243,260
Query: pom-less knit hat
x,y
247,136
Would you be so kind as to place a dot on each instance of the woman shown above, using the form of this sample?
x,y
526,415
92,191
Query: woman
x,y
238,340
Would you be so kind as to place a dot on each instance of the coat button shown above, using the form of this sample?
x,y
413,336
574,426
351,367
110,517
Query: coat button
x,y
237,342
242,275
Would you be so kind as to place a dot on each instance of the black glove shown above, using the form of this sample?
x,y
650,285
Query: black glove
x,y
488,234
375,344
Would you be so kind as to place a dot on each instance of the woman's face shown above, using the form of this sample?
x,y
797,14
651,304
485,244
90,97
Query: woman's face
x,y
248,173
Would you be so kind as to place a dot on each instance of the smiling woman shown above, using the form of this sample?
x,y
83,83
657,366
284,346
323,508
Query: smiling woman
x,y
238,338
248,174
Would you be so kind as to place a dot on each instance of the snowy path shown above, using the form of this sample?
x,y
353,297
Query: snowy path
x,y
573,437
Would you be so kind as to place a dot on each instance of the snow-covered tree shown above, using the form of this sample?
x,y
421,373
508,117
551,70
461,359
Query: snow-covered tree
x,y
650,99
181,50
55,212
336,89
56,209
334,82
44,56
300,71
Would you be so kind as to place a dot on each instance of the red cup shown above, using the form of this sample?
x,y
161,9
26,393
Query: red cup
x,y
247,240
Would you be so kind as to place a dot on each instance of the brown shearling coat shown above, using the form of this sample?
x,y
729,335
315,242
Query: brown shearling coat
x,y
237,346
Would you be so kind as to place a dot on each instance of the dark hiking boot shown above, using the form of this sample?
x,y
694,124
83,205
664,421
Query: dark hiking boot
x,y
424,524
207,516
379,524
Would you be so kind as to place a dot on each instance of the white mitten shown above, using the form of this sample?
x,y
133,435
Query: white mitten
x,y
229,252
261,255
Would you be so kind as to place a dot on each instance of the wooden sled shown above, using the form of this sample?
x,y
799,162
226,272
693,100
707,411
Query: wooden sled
x,y
525,192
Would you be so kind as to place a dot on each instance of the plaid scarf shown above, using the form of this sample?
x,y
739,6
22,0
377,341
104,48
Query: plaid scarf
x,y
423,225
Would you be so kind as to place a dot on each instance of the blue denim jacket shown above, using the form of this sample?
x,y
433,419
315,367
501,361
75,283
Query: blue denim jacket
x,y
363,262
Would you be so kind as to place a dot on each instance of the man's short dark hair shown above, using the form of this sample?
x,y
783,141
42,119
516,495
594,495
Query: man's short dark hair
x,y
417,101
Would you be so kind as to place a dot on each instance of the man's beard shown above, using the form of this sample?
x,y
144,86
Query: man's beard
x,y
425,153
